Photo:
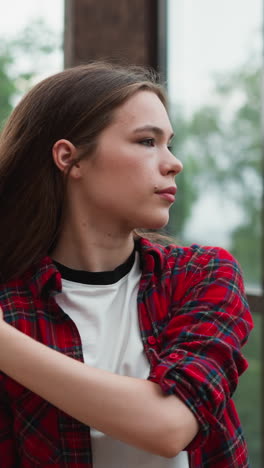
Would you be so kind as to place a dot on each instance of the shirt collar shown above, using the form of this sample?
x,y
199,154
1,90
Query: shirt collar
x,y
45,278
151,256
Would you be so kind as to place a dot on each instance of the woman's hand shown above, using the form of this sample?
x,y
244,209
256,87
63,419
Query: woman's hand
x,y
1,314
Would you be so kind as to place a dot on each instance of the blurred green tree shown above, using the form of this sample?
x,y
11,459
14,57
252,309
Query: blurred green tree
x,y
7,85
220,145
22,59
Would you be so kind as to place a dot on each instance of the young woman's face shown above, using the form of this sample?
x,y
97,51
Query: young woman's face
x,y
132,163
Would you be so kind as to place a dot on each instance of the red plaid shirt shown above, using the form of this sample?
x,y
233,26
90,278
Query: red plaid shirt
x,y
193,317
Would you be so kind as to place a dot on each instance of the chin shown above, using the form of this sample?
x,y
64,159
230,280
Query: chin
x,y
158,223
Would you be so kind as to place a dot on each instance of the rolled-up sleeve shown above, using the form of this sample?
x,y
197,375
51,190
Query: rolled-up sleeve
x,y
210,321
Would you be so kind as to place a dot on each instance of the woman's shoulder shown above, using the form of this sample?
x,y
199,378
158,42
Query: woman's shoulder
x,y
190,257
33,279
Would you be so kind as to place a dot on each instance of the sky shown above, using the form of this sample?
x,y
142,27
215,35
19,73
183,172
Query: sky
x,y
16,14
208,36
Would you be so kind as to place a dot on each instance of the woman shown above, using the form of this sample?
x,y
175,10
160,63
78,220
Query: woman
x,y
85,162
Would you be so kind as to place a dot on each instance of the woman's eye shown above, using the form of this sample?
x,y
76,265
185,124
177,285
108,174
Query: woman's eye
x,y
148,142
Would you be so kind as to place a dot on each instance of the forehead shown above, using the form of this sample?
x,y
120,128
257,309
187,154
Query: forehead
x,y
142,109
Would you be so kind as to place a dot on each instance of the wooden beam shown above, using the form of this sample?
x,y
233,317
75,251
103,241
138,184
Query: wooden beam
x,y
122,30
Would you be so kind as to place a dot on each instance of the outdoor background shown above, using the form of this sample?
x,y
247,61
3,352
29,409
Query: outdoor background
x,y
214,85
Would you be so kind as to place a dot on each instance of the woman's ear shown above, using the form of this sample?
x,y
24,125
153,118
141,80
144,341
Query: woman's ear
x,y
64,154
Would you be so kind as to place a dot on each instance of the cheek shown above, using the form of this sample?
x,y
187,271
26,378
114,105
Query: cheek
x,y
124,171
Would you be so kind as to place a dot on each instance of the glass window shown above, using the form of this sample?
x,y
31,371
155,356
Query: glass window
x,y
214,66
214,84
31,47
247,396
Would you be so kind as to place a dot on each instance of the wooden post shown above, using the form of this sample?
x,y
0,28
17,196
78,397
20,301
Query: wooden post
x,y
126,31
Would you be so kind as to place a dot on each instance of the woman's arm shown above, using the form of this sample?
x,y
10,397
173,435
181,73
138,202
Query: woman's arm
x,y
129,409
202,359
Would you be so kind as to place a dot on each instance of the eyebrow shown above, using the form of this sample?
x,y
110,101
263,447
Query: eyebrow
x,y
152,128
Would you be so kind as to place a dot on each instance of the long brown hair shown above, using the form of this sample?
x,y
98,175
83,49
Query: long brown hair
x,y
75,104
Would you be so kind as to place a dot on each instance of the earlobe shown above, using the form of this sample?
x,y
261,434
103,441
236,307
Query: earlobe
x,y
64,154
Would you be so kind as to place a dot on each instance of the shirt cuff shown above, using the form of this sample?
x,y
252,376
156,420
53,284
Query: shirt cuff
x,y
168,373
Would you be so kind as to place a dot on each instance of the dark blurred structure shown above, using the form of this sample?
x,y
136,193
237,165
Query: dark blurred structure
x,y
127,31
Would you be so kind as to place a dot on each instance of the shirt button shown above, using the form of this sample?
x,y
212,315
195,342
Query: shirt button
x,y
173,356
151,340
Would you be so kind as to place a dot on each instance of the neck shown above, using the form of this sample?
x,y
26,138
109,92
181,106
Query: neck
x,y
91,249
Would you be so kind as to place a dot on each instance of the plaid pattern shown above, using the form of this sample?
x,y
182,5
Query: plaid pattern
x,y
193,318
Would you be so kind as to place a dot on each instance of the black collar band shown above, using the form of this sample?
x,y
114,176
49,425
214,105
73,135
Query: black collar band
x,y
100,277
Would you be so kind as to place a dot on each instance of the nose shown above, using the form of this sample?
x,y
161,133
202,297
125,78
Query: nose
x,y
171,164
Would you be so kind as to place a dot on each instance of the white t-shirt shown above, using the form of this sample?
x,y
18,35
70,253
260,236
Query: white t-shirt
x,y
103,307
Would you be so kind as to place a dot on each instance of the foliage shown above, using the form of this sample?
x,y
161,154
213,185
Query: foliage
x,y
7,88
220,145
248,395
22,59
221,148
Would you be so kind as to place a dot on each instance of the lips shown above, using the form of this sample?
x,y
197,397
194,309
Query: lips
x,y
169,190
168,193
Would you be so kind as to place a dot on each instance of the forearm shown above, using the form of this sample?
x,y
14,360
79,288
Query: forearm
x,y
132,410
